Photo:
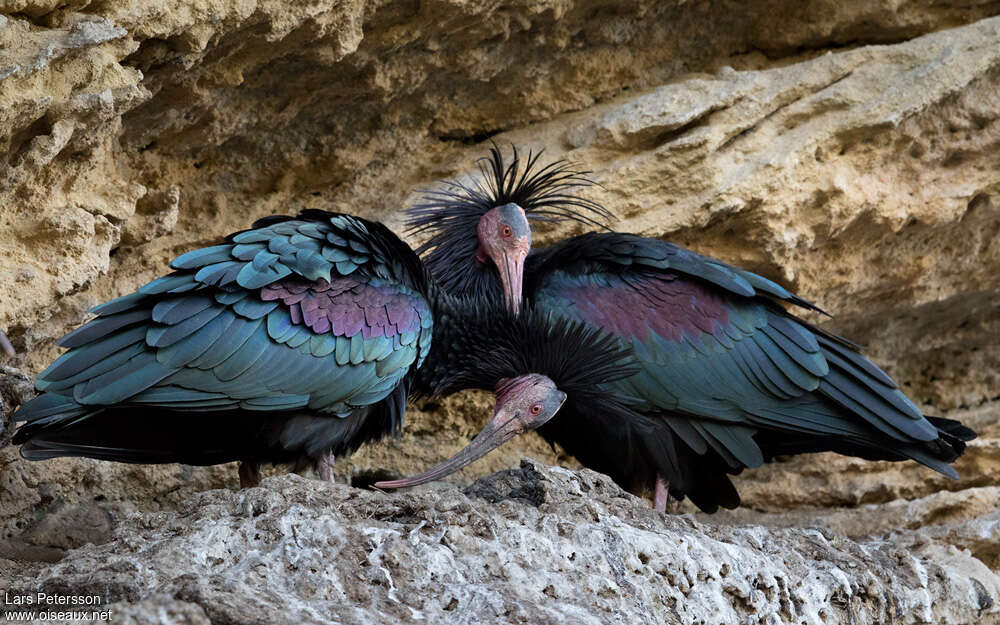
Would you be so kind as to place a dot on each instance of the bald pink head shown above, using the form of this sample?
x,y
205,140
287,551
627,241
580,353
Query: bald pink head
x,y
505,240
522,404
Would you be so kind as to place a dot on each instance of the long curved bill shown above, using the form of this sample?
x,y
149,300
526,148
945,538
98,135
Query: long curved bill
x,y
501,428
512,277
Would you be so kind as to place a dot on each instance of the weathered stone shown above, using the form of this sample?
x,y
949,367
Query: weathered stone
x,y
577,550
15,389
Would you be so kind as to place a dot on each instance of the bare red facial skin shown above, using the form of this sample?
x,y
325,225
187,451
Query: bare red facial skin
x,y
505,240
522,404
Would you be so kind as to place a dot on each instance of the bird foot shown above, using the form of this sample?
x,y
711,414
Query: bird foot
x,y
324,467
249,474
661,495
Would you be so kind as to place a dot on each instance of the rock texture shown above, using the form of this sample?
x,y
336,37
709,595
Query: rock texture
x,y
535,545
850,150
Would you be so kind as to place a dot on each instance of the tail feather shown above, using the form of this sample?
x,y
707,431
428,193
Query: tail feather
x,y
953,430
140,435
56,426
858,410
935,454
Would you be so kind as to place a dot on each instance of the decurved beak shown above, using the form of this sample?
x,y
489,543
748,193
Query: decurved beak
x,y
505,425
512,277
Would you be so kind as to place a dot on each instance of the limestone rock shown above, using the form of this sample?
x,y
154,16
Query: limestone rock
x,y
548,545
15,389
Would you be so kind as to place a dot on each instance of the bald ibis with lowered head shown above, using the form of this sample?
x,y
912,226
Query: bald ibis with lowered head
x,y
725,377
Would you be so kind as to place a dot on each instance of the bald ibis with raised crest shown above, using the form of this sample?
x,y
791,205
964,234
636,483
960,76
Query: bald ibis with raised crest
x,y
291,342
726,377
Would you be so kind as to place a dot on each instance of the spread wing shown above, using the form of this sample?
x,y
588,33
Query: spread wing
x,y
316,314
725,367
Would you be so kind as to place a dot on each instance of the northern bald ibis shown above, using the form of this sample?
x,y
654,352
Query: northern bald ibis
x,y
290,342
726,377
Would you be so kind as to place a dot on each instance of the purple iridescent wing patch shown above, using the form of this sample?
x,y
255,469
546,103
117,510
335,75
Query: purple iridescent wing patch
x,y
667,305
347,306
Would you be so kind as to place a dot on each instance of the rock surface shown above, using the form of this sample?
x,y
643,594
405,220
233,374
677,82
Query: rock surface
x,y
850,150
534,545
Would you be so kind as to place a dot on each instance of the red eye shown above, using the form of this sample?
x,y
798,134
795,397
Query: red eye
x,y
536,409
506,231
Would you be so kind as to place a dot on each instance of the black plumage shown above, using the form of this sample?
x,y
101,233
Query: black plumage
x,y
725,376
289,342
270,347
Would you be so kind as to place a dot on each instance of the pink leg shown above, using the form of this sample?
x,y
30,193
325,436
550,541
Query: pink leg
x,y
324,467
661,495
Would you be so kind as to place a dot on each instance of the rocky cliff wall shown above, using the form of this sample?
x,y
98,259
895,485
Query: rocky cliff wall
x,y
846,149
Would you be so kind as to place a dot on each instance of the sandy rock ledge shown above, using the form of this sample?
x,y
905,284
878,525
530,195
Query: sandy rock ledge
x,y
533,545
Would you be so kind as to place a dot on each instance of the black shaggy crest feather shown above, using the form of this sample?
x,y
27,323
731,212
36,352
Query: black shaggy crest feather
x,y
545,193
577,358
497,344
451,214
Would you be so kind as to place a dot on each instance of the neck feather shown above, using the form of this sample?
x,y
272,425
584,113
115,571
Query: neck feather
x,y
452,257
